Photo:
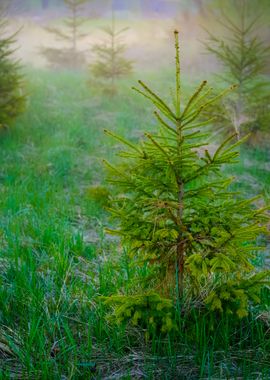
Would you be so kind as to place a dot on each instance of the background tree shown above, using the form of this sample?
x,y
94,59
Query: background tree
x,y
12,98
69,56
244,57
111,63
178,216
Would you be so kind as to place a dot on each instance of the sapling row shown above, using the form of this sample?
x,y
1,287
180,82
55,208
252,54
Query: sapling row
x,y
110,62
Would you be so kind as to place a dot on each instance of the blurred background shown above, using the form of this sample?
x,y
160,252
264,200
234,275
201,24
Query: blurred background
x,y
150,23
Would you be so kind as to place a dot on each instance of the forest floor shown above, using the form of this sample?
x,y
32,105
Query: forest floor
x,y
55,258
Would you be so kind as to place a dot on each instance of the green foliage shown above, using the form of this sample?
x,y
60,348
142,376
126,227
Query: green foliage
x,y
12,98
149,311
244,56
232,295
175,208
111,63
69,56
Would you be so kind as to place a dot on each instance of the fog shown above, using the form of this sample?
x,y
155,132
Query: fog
x,y
148,38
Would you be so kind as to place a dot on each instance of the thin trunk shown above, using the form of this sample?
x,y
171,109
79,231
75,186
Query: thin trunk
x,y
180,246
180,251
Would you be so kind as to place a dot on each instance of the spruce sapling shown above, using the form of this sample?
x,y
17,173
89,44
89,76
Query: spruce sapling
x,y
244,56
12,97
111,64
68,56
178,215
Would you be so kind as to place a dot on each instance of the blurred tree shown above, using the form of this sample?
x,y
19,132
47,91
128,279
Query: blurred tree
x,y
243,56
12,98
111,63
70,56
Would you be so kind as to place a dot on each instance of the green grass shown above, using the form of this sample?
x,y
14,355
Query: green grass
x,y
55,259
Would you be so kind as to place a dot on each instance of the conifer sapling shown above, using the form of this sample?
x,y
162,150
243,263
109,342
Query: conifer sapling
x,y
68,56
243,55
12,98
177,213
111,64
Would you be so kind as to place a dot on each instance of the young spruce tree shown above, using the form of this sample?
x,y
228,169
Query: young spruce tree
x,y
178,216
111,63
244,57
69,56
12,98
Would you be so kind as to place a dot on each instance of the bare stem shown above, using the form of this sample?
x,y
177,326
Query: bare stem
x,y
178,74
